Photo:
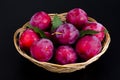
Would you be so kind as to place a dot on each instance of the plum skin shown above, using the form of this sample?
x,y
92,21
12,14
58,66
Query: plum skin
x,y
88,46
77,17
96,27
41,20
65,55
68,34
27,38
42,50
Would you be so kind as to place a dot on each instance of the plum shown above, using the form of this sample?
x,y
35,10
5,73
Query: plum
x,y
96,27
65,55
41,20
77,17
88,46
27,38
42,50
68,34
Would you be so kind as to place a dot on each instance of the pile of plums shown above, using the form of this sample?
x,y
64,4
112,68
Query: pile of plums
x,y
62,43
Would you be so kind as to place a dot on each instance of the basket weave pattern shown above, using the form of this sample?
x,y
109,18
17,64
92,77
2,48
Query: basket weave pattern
x,y
67,68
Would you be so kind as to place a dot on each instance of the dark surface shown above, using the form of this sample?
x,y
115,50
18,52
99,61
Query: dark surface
x,y
14,13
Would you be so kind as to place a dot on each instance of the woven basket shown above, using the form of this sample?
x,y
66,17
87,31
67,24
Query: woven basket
x,y
67,68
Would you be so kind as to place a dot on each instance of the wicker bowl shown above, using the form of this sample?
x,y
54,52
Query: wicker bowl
x,y
67,68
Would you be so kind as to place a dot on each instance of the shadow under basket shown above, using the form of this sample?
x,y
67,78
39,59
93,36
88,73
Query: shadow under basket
x,y
67,68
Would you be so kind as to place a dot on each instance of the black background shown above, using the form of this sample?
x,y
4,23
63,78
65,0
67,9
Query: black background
x,y
14,13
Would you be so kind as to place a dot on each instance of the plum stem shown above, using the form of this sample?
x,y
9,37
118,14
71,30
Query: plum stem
x,y
56,33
